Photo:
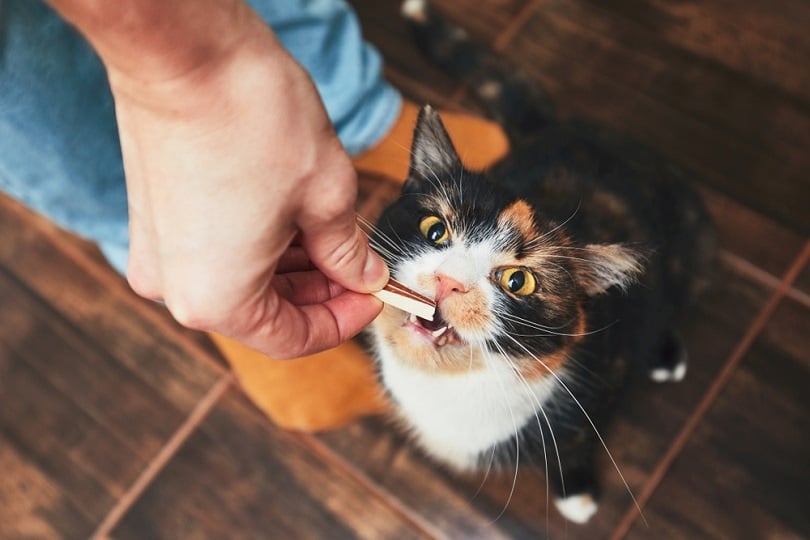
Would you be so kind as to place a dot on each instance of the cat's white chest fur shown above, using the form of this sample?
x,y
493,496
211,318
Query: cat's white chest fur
x,y
458,417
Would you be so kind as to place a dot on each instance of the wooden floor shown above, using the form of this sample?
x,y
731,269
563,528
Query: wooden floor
x,y
116,422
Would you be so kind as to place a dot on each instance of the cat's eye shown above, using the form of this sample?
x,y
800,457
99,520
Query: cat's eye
x,y
518,281
434,230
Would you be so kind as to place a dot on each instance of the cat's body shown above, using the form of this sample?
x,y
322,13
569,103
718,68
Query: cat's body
x,y
555,273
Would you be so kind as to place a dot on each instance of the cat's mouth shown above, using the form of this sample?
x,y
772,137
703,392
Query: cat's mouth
x,y
438,331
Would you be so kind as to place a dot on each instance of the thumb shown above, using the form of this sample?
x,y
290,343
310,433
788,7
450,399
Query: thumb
x,y
340,250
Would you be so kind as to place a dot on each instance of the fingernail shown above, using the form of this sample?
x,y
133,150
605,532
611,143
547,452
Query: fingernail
x,y
375,273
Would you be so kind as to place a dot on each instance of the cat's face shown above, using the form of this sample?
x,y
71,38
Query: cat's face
x,y
509,286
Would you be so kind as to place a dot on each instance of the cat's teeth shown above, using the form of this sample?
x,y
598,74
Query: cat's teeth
x,y
412,318
440,331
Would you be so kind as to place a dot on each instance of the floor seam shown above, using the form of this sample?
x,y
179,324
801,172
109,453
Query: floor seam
x,y
505,37
110,279
164,456
327,455
710,396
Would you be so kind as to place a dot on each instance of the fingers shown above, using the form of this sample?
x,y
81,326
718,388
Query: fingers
x,y
329,230
295,259
305,288
293,331
342,252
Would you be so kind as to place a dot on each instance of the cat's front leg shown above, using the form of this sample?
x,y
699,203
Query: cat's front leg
x,y
668,363
576,492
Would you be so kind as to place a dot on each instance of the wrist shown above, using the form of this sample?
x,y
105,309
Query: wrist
x,y
155,41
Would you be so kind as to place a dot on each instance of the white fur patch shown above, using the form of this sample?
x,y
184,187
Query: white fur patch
x,y
458,416
663,374
577,508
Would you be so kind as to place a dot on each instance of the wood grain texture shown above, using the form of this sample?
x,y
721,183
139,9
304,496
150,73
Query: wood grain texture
x,y
239,477
91,296
752,236
90,389
485,21
766,41
79,423
746,138
744,473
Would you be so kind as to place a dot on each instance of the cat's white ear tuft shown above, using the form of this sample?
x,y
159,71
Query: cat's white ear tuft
x,y
432,151
610,265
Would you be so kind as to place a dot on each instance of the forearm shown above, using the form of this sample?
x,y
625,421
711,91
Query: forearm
x,y
161,40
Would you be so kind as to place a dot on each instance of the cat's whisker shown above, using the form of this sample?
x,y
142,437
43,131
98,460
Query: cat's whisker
x,y
539,326
550,333
537,405
564,223
377,232
486,354
590,421
486,397
564,269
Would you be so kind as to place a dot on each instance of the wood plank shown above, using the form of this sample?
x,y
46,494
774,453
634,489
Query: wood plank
x,y
747,140
82,425
71,362
141,335
92,382
32,507
803,282
744,473
648,420
750,235
240,477
767,41
484,20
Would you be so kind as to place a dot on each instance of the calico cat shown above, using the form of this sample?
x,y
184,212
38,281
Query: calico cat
x,y
556,273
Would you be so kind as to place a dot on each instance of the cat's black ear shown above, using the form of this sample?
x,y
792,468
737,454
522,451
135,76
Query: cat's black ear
x,y
432,152
609,265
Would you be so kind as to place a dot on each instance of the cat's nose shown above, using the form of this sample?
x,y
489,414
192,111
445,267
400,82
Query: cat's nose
x,y
446,285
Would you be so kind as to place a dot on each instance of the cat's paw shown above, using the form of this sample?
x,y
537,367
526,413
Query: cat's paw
x,y
666,374
415,10
577,508
670,366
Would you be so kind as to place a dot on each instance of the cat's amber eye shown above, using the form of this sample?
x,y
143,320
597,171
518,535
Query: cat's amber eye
x,y
517,280
434,230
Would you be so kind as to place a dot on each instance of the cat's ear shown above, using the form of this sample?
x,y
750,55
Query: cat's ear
x,y
432,152
609,265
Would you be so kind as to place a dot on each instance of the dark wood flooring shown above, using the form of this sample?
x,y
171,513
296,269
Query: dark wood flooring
x,y
116,422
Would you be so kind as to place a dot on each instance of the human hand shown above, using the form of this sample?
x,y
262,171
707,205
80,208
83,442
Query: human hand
x,y
241,196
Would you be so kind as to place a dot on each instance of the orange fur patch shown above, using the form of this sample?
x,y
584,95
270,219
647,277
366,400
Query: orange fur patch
x,y
420,352
538,368
520,216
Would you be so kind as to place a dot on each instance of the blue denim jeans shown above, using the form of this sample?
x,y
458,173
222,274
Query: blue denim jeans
x,y
59,150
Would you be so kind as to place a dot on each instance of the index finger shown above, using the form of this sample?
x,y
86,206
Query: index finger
x,y
290,331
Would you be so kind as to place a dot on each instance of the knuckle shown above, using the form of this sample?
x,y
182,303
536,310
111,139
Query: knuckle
x,y
345,254
192,314
143,284
195,307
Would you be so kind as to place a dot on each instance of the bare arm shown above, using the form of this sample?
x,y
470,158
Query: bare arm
x,y
229,157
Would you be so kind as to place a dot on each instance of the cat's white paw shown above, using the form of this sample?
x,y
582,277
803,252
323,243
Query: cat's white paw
x,y
675,374
577,508
414,10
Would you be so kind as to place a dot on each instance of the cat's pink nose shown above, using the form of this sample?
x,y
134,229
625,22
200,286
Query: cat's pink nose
x,y
445,286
